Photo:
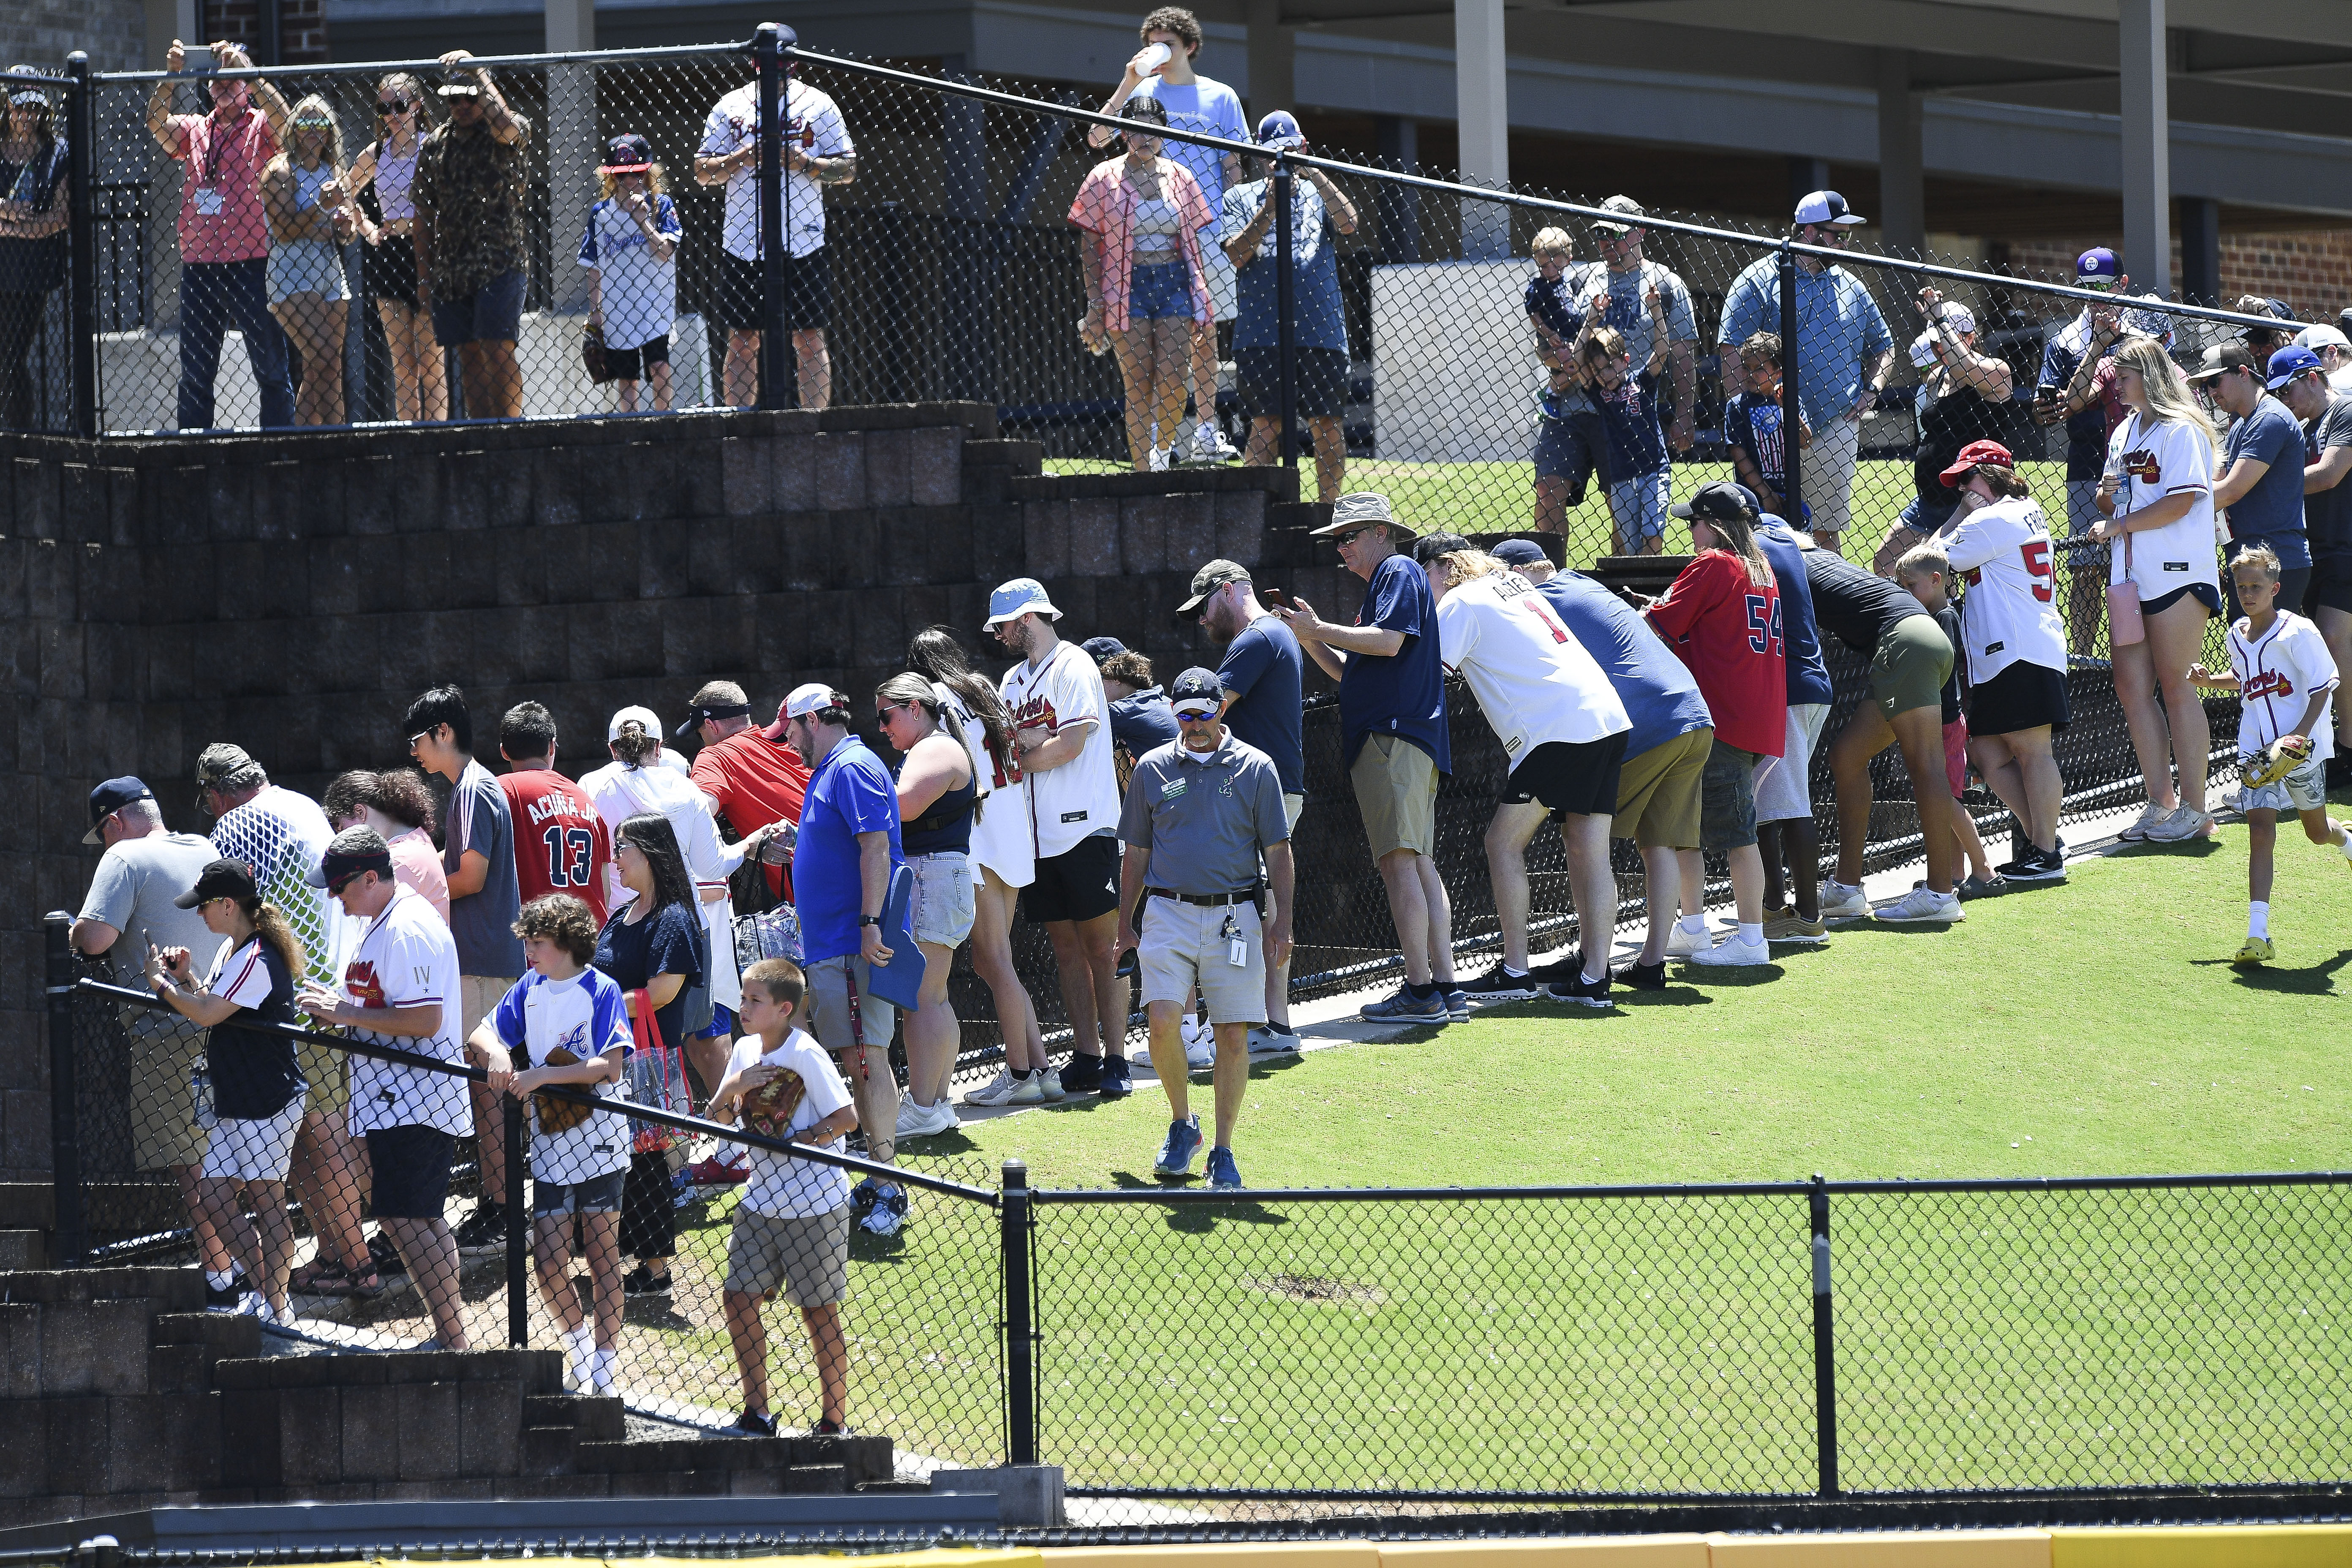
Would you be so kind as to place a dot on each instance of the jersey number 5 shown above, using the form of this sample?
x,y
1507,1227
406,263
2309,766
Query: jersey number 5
x,y
571,854
1764,625
2037,567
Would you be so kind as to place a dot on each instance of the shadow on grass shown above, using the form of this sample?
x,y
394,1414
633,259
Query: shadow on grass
x,y
2143,849
2314,980
1198,1219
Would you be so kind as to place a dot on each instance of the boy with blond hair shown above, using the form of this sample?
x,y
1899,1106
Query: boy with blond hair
x,y
2286,680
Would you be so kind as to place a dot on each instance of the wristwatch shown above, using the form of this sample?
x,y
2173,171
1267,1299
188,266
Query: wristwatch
x,y
869,919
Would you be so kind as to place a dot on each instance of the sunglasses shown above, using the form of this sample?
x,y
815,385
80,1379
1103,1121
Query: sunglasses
x,y
1195,715
884,709
336,885
418,736
392,106
1345,539
310,124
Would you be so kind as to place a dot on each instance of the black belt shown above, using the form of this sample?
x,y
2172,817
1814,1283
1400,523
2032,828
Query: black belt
x,y
1206,900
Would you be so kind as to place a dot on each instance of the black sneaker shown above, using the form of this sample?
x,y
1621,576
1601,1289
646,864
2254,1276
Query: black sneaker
x,y
638,1281
1117,1082
1499,984
831,1429
227,1297
385,1255
753,1425
2035,866
484,1230
1588,993
1082,1075
1643,976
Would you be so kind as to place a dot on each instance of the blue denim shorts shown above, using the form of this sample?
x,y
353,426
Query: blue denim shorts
x,y
1639,505
1159,290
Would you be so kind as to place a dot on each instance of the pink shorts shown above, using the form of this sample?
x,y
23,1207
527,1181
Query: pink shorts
x,y
1956,756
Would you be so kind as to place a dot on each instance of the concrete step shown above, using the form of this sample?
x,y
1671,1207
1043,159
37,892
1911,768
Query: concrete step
x,y
24,1249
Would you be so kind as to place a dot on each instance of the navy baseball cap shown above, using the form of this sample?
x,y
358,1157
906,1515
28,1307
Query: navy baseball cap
x,y
1717,502
221,880
1101,648
1195,685
352,851
1280,129
110,797
627,154
2291,361
1519,552
1827,209
2098,262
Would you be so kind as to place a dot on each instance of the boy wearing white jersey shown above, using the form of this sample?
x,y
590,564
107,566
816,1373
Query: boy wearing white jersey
x,y
1559,719
2286,680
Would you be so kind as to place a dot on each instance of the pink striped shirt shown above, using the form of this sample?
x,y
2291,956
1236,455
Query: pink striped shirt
x,y
220,201
1105,206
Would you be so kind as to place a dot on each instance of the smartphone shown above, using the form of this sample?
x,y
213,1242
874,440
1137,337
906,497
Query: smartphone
x,y
1278,597
199,62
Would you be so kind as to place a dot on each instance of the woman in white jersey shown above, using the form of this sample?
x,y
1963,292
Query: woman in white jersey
x,y
2014,645
2158,497
419,388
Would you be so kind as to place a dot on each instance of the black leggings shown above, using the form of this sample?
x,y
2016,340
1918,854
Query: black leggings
x,y
20,324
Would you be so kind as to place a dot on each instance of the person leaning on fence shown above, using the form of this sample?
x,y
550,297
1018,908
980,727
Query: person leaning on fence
x,y
2335,352
2263,341
1927,576
224,233
938,793
2065,350
400,808
752,775
33,250
399,988
790,1232
131,907
2286,681
1785,834
2326,413
1570,445
257,1093
816,152
1199,814
1753,424
1141,718
1965,398
1563,731
310,220
2260,487
1141,257
631,253
473,254
567,1023
2164,581
1320,212
1394,741
1626,396
1842,352
420,383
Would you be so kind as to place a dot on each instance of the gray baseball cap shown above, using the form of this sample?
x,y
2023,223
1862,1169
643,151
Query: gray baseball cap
x,y
1210,578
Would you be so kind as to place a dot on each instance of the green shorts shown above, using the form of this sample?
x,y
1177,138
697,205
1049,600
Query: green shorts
x,y
1913,661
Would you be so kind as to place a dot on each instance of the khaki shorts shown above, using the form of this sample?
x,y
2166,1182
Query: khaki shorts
x,y
1658,793
1183,946
1913,661
808,1258
828,1005
1396,790
164,1130
479,998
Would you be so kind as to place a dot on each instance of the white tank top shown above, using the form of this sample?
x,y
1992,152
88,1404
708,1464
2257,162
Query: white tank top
x,y
1155,228
393,174
307,183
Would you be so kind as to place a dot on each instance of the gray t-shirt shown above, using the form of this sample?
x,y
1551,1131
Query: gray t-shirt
x,y
483,923
2327,514
136,882
1203,816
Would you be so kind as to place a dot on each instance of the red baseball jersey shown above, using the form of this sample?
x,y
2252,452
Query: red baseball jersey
x,y
1727,628
560,842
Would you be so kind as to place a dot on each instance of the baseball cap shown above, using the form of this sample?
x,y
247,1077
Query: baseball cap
x,y
717,699
1430,546
627,154
1101,648
2323,338
1021,596
220,762
1519,552
1280,129
2291,361
353,850
222,879
2097,262
1625,205
1963,320
1827,207
1357,509
1974,452
2222,357
645,716
27,92
1208,580
1717,502
110,797
1195,685
816,698
1923,351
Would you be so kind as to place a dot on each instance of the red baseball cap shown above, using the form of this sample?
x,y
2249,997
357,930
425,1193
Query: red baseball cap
x,y
1974,453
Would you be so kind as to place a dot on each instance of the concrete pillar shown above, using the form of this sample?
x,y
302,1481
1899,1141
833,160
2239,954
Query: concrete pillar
x,y
1397,140
1482,107
1273,59
574,149
2147,146
2200,251
1806,176
1902,215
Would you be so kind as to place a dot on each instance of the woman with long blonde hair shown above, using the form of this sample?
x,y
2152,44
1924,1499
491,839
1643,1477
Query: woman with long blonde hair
x,y
310,218
420,384
2158,497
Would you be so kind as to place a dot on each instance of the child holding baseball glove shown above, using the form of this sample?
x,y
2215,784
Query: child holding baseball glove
x,y
2286,680
792,1227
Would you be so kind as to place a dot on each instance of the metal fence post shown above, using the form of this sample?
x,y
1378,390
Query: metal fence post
x,y
64,1121
1817,1206
1020,1329
519,1229
1792,496
81,286
1284,308
768,47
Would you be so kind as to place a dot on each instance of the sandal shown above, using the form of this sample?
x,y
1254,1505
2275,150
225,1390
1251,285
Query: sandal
x,y
322,1276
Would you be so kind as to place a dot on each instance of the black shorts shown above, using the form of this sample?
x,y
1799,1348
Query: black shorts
x,y
1571,778
412,1172
389,269
2207,595
491,314
1318,382
2331,585
1575,448
629,364
808,291
2023,697
1081,885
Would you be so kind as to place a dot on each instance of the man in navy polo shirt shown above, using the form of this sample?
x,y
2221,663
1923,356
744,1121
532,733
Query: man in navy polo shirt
x,y
1392,737
842,863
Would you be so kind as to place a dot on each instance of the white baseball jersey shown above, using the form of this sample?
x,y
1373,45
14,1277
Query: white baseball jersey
x,y
2157,462
1535,682
2010,612
783,1187
812,123
587,1017
1080,798
2277,673
406,958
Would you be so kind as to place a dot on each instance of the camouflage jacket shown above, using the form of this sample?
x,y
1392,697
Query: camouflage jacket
x,y
470,187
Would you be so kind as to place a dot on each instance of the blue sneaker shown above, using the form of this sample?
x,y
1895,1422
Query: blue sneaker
x,y
1117,1082
889,1211
1457,1005
1404,1007
1176,1154
1224,1177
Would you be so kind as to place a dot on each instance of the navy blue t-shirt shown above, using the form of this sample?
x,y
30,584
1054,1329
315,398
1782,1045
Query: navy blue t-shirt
x,y
667,942
2271,513
1265,670
2086,432
254,1075
1753,425
1660,694
1404,694
1142,721
1809,678
1548,302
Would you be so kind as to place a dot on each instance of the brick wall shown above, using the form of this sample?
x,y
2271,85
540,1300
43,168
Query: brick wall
x,y
301,28
42,32
2311,271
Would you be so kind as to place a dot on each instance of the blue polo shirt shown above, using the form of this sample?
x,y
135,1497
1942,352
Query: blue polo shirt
x,y
1809,677
1404,694
850,793
1660,694
1265,670
1839,332
2271,513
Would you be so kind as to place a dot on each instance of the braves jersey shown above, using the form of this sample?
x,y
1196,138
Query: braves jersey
x,y
1535,682
1080,798
1727,628
2277,674
407,958
813,124
584,1017
2154,461
2010,613
561,843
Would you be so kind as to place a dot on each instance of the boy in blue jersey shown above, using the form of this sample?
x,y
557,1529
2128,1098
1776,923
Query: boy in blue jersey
x,y
1752,423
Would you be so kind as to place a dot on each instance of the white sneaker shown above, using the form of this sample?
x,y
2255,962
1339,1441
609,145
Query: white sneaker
x,y
1681,943
1160,457
288,1320
997,1090
923,1121
1210,445
1029,1090
2150,816
1200,1044
2179,826
1265,1040
1923,905
1841,903
1049,1086
1731,953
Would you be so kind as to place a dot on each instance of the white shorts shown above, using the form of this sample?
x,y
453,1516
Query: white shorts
x,y
1217,270
258,1150
2306,789
1784,783
1002,839
1183,946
